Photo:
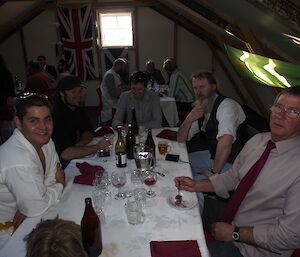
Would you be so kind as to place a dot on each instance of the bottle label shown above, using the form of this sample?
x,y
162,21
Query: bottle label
x,y
121,159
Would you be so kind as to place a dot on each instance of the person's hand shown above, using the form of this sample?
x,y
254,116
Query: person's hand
x,y
222,231
60,174
196,113
185,183
104,144
207,173
18,219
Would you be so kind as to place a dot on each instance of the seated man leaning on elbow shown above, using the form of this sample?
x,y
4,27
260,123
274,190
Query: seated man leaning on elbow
x,y
263,213
72,128
145,102
214,122
31,178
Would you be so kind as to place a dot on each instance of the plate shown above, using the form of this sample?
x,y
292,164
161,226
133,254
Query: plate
x,y
189,200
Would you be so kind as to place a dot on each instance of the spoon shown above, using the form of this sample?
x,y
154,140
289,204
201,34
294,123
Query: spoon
x,y
178,197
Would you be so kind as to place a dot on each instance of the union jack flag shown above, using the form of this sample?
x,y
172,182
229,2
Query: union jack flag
x,y
76,28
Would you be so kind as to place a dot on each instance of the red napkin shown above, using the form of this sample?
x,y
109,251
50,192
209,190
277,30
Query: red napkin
x,y
168,134
88,172
187,248
103,131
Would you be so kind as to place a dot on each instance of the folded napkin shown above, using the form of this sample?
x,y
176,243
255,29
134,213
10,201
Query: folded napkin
x,y
103,131
88,172
187,248
168,134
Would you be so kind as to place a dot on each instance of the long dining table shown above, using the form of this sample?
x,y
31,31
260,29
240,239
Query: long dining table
x,y
163,222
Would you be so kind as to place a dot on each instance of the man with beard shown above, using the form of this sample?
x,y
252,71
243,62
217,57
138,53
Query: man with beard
x,y
73,130
215,119
111,88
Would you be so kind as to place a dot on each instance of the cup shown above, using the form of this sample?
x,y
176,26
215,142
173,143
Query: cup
x,y
135,177
140,195
98,199
110,138
134,212
163,147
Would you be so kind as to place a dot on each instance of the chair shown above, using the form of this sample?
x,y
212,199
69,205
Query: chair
x,y
100,106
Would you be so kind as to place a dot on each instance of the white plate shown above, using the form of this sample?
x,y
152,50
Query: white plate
x,y
189,200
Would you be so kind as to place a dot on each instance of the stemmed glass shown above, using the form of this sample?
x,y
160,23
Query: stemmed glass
x,y
118,179
149,178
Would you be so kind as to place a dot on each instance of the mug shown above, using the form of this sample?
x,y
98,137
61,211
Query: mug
x,y
163,147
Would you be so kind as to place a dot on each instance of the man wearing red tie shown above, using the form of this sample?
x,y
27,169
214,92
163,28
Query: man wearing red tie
x,y
263,213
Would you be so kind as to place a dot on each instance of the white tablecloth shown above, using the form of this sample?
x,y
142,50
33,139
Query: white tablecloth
x,y
162,222
169,109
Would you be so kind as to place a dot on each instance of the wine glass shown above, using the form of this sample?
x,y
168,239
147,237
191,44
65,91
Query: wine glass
x,y
149,178
118,179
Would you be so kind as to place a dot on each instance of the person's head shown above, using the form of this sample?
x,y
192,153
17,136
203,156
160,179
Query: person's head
x,y
71,91
138,82
33,118
33,67
120,66
285,114
169,65
42,60
62,66
55,238
204,84
150,66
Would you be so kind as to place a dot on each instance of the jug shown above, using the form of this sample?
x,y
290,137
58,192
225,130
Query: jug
x,y
143,156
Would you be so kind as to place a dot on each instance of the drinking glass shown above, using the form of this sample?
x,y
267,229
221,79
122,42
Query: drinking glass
x,y
101,181
118,179
149,178
98,197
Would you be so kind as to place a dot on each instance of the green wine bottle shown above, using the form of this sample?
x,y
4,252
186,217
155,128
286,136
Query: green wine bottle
x,y
120,150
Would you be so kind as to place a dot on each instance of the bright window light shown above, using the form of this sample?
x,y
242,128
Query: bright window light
x,y
116,29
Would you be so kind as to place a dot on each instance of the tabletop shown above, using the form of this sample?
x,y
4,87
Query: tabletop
x,y
162,221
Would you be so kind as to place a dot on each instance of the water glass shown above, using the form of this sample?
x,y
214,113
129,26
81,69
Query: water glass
x,y
134,212
140,195
135,177
98,199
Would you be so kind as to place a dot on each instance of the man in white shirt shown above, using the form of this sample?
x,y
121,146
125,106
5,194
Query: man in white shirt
x,y
215,119
31,178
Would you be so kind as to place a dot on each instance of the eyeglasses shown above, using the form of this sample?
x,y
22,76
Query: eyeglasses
x,y
290,112
29,94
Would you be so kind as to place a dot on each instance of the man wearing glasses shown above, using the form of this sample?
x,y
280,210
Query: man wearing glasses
x,y
31,178
73,130
265,222
146,104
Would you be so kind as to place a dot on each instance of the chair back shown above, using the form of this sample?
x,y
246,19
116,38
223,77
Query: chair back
x,y
100,99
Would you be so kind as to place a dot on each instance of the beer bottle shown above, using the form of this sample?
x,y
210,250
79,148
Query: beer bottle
x,y
130,142
135,126
120,150
150,142
91,230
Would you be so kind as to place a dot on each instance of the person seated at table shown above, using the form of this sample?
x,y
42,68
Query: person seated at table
x,y
112,86
146,104
262,216
213,123
73,131
55,238
31,177
154,75
180,86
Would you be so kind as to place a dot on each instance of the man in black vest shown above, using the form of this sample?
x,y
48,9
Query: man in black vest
x,y
214,120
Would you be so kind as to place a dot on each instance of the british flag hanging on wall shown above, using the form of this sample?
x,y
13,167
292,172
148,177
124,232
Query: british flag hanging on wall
x,y
76,28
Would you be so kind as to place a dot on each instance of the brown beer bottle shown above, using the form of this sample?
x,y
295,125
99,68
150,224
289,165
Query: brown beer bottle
x,y
91,230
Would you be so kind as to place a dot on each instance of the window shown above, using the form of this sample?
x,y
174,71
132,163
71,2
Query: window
x,y
116,29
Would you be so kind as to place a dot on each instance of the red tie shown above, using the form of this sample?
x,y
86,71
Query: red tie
x,y
245,184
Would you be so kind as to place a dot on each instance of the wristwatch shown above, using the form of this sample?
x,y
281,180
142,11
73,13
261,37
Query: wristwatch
x,y
236,234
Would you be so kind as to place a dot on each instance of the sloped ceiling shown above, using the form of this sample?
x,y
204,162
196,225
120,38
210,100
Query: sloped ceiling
x,y
262,28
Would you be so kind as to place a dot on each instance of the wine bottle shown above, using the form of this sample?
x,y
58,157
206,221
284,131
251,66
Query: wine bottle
x,y
91,230
120,150
135,126
150,142
130,142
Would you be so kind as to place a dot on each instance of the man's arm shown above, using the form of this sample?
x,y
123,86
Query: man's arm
x,y
113,89
183,131
188,184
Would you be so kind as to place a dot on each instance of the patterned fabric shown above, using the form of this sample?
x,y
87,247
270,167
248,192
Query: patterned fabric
x,y
76,28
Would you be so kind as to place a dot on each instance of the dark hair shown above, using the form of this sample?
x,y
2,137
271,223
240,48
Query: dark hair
x,y
55,238
294,91
42,57
205,75
27,100
138,76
